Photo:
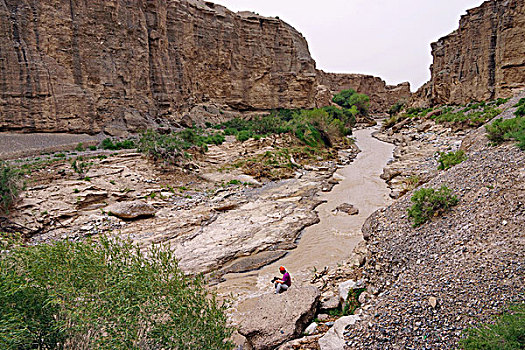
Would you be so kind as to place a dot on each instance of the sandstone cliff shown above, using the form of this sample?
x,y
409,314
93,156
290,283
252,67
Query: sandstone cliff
x,y
70,65
382,96
482,60
115,65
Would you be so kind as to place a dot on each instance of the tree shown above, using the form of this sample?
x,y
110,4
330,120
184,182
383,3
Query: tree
x,y
105,295
349,98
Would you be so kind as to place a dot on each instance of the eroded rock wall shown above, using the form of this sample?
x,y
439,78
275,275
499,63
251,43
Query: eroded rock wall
x,y
88,66
482,60
382,96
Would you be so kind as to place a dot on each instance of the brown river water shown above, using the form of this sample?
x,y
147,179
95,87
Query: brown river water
x,y
332,240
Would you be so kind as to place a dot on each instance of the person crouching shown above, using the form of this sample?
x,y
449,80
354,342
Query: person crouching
x,y
282,284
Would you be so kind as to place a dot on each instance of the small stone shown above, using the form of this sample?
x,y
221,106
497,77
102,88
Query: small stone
x,y
323,317
433,302
311,329
348,209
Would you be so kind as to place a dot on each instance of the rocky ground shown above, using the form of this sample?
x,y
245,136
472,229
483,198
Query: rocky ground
x,y
193,211
430,283
424,285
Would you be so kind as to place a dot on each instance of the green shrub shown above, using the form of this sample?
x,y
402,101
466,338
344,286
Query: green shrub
x,y
448,160
429,202
316,127
411,182
166,148
509,129
507,333
244,135
171,148
216,139
9,187
520,112
108,144
80,147
109,295
81,167
396,107
8,240
350,98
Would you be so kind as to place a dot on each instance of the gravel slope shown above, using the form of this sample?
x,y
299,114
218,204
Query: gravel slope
x,y
470,261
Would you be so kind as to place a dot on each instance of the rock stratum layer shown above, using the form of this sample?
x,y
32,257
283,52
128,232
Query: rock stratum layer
x,y
113,65
482,60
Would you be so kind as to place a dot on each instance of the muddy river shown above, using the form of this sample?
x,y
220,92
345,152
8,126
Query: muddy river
x,y
332,240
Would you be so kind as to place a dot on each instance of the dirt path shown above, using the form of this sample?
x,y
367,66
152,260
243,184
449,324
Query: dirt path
x,y
334,237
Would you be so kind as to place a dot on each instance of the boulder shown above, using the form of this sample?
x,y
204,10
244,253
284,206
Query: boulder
x,y
272,319
334,338
131,210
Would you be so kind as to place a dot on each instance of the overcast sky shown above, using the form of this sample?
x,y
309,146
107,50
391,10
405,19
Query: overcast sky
x,y
386,38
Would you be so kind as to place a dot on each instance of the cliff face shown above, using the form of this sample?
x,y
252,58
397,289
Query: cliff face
x,y
123,65
382,96
482,60
72,65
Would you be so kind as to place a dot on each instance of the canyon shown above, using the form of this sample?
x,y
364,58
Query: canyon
x,y
75,72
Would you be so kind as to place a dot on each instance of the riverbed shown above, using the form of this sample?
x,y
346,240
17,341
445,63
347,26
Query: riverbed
x,y
332,240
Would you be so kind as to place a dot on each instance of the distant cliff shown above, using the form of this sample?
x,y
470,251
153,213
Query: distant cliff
x,y
483,59
109,65
382,96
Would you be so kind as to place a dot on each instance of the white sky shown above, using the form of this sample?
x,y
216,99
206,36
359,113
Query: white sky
x,y
387,38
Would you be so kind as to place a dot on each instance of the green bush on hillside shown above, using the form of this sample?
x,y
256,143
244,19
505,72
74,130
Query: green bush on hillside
x,y
468,116
170,148
9,186
448,160
429,202
505,130
107,295
507,333
520,112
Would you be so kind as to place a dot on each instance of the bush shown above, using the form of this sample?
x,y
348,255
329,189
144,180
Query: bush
x,y
520,112
507,333
315,128
9,187
244,135
167,148
448,160
509,129
396,107
80,147
81,167
109,295
350,98
108,144
429,202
